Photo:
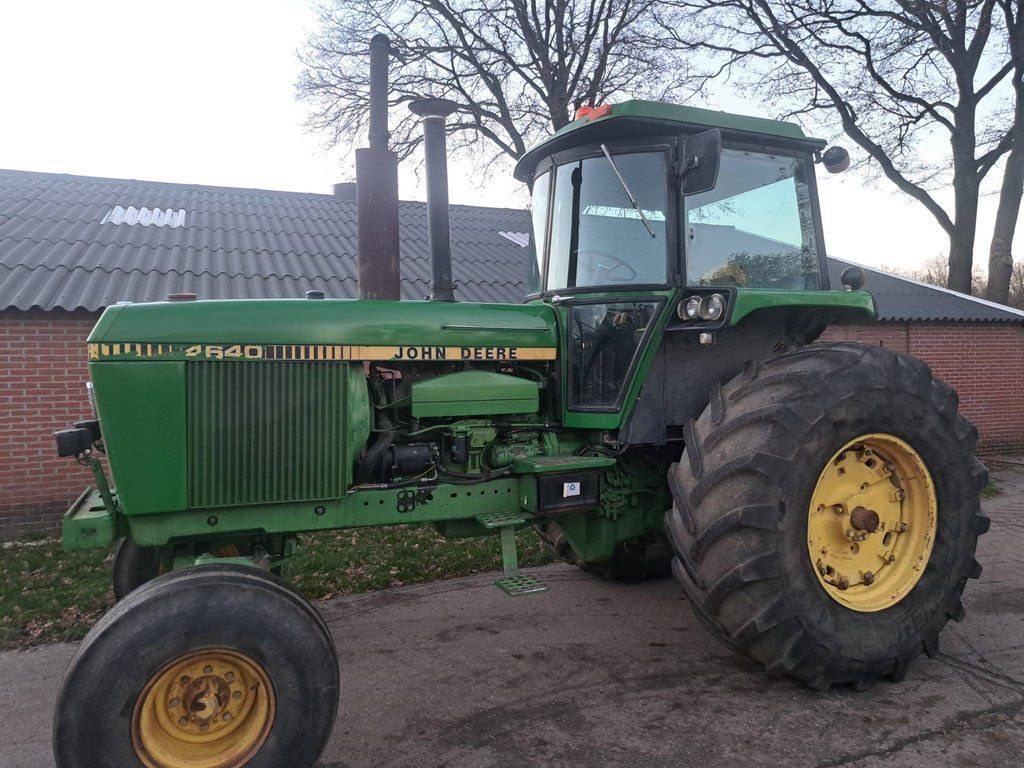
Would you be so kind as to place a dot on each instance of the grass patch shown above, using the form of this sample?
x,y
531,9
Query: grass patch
x,y
991,490
49,595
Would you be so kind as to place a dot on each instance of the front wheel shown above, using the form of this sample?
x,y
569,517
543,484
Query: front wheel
x,y
134,565
826,511
208,667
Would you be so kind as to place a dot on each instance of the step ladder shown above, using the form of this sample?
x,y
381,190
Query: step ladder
x,y
513,582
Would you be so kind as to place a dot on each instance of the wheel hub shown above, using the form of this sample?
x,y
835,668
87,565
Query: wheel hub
x,y
208,709
871,522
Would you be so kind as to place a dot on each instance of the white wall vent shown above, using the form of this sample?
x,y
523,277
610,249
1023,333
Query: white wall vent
x,y
145,217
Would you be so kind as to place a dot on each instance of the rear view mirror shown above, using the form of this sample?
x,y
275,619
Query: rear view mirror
x,y
701,154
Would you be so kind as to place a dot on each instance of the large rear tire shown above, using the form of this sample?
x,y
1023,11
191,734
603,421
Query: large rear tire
x,y
211,666
826,511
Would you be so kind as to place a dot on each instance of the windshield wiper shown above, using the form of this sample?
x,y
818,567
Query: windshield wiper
x,y
625,188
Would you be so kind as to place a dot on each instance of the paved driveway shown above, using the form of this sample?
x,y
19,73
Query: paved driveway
x,y
592,673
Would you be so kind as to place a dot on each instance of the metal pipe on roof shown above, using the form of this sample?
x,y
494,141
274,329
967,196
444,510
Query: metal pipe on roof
x,y
434,113
377,191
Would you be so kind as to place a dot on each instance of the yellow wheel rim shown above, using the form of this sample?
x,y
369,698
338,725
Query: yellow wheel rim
x,y
871,522
208,709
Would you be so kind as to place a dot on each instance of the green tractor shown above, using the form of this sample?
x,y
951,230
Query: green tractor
x,y
655,405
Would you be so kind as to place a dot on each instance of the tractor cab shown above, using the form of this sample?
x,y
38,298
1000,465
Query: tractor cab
x,y
657,230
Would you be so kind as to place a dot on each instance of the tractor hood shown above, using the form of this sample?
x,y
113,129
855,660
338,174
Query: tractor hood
x,y
305,329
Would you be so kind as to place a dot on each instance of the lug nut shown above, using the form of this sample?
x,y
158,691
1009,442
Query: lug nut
x,y
207,669
844,583
174,702
182,721
869,577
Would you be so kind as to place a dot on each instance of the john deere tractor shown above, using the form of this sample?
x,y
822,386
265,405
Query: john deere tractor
x,y
657,403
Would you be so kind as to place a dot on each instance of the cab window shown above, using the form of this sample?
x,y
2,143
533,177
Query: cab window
x,y
597,237
755,229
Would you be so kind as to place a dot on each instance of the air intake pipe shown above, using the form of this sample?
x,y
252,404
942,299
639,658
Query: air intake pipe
x,y
434,113
377,191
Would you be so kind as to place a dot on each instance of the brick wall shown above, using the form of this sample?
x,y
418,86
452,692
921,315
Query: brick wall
x,y
43,371
983,361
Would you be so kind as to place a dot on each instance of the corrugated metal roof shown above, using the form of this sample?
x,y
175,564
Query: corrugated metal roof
x,y
56,252
78,242
901,299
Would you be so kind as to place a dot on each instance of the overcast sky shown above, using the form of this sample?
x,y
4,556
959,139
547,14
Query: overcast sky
x,y
202,91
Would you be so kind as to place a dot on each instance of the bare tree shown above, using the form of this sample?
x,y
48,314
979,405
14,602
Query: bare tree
x,y
1000,256
897,73
517,68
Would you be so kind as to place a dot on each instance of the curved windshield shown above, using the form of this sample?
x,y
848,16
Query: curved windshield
x,y
755,229
597,236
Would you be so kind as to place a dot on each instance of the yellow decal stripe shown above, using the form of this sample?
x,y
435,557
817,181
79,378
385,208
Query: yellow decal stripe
x,y
317,352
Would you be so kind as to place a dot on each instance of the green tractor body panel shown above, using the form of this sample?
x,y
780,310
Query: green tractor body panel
x,y
848,306
474,393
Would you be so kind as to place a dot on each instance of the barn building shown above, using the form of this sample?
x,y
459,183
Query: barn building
x,y
72,245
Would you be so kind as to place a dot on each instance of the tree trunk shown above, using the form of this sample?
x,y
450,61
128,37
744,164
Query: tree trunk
x,y
1000,254
965,205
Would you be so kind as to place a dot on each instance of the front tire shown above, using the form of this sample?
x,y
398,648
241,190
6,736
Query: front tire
x,y
209,666
804,530
134,565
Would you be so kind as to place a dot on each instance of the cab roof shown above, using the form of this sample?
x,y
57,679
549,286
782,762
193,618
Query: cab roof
x,y
647,118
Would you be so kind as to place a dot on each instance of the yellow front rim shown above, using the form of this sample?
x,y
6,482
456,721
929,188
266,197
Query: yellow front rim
x,y
871,522
208,709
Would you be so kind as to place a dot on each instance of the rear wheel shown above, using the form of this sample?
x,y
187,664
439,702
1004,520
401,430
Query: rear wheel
x,y
826,512
208,667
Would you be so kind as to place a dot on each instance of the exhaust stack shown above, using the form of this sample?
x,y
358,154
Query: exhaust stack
x,y
434,113
377,190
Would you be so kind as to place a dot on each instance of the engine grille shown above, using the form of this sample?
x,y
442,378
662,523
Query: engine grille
x,y
265,432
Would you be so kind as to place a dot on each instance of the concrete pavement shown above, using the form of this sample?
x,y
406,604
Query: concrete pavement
x,y
593,673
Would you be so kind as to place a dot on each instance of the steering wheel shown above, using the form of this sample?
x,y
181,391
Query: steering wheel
x,y
590,258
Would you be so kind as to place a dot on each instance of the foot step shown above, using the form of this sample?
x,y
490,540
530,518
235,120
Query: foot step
x,y
520,585
500,519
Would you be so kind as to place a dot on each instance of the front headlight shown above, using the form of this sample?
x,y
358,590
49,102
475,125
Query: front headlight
x,y
713,307
691,308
